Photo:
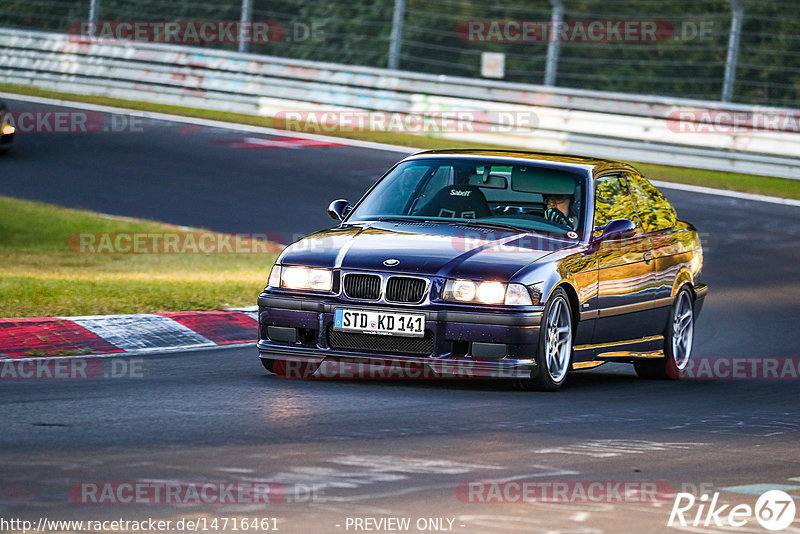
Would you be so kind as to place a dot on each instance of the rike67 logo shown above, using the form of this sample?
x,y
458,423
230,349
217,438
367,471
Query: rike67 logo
x,y
774,510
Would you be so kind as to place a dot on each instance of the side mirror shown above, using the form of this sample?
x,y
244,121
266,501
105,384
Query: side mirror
x,y
618,229
338,209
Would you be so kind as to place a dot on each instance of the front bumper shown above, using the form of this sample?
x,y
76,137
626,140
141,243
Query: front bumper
x,y
461,343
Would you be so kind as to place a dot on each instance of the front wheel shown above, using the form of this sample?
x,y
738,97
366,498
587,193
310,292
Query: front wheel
x,y
677,344
554,356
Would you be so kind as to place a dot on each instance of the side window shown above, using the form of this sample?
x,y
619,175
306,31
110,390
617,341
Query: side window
x,y
613,200
655,211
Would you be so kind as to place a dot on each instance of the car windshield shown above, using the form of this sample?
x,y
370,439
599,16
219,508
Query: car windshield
x,y
530,197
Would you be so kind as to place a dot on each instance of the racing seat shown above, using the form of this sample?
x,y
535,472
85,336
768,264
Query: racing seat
x,y
457,201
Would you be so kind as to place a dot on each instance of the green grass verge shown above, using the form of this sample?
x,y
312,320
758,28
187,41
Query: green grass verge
x,y
40,275
747,183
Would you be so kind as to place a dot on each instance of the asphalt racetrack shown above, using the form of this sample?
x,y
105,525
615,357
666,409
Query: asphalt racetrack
x,y
347,450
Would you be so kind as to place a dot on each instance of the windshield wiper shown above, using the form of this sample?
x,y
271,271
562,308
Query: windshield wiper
x,y
495,225
471,222
408,219
394,219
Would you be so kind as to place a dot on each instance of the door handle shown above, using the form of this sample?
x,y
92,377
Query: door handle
x,y
648,257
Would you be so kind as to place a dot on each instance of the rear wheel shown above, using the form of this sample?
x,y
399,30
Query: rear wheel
x,y
677,343
554,356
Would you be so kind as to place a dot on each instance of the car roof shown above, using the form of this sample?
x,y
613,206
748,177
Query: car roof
x,y
595,165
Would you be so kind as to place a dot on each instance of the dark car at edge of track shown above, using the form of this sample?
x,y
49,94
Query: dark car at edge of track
x,y
6,129
488,263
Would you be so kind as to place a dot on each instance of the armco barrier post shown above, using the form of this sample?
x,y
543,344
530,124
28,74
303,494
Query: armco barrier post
x,y
94,9
553,44
737,14
244,32
396,39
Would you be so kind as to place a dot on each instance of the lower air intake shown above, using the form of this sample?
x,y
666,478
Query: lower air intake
x,y
419,346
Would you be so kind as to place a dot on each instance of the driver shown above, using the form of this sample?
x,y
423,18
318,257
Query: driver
x,y
556,209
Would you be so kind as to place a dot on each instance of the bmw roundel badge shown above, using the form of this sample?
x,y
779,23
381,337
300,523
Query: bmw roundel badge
x,y
391,262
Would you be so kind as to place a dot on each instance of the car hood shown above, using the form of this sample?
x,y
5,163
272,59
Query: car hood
x,y
433,249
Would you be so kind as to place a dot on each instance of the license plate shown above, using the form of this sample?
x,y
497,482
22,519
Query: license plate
x,y
379,322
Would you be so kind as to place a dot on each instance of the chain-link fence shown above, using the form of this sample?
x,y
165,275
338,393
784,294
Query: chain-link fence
x,y
674,47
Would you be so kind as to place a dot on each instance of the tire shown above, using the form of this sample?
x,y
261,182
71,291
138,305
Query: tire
x,y
554,356
677,343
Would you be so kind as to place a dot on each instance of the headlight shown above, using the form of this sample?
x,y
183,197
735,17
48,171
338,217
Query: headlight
x,y
274,276
486,293
8,129
460,290
518,295
304,278
491,292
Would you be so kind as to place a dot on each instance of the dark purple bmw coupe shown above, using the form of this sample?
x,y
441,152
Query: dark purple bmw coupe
x,y
490,264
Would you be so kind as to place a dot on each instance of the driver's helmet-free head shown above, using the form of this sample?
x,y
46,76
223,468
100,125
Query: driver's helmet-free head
x,y
553,212
550,201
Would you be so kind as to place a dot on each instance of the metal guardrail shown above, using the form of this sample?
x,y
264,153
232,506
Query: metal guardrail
x,y
620,126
